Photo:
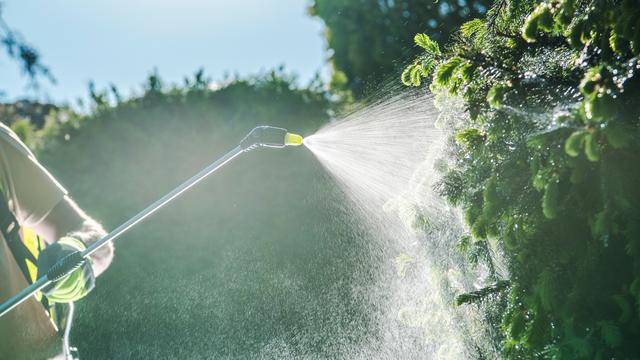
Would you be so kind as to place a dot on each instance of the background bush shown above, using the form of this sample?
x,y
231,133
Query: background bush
x,y
255,261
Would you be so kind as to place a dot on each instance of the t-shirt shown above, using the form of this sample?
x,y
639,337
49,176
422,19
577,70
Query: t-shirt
x,y
32,193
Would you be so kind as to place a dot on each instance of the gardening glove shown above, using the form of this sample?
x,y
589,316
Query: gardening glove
x,y
74,286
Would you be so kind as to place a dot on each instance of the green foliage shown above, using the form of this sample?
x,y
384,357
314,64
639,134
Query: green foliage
x,y
25,130
446,71
45,127
575,143
496,94
545,166
370,39
550,199
36,113
427,44
472,138
539,19
611,334
38,124
591,147
482,294
27,56
474,28
421,68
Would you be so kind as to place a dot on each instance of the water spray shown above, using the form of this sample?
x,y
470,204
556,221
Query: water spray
x,y
261,136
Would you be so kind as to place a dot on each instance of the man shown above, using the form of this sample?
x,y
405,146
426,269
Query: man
x,y
35,210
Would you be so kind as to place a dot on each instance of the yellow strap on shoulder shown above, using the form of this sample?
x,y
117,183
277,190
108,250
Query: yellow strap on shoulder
x,y
33,243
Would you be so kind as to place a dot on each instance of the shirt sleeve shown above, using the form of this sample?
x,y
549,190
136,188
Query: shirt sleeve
x,y
31,190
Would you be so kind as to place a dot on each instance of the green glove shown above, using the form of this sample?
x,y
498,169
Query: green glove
x,y
74,286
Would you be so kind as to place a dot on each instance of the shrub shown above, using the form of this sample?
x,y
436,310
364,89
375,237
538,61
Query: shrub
x,y
545,166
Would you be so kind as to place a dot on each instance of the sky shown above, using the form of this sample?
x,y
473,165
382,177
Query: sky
x,y
122,41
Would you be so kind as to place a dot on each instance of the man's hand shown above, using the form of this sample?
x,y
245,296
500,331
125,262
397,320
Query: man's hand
x,y
74,286
67,219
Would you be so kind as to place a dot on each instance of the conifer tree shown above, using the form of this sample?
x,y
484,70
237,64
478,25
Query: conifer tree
x,y
546,166
370,40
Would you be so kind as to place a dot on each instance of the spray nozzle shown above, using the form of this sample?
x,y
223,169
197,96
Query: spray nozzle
x,y
291,139
269,136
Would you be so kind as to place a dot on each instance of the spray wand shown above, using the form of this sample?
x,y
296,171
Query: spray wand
x,y
261,136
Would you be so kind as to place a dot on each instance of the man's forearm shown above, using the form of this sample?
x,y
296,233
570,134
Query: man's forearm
x,y
67,219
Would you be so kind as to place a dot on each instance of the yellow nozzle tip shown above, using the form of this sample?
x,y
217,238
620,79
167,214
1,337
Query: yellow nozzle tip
x,y
292,139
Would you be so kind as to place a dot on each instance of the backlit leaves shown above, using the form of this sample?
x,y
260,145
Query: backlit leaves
x,y
427,44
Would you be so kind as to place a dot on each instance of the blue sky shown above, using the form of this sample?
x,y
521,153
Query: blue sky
x,y
121,41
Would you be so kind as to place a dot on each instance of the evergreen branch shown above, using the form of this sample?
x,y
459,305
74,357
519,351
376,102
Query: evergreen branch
x,y
477,296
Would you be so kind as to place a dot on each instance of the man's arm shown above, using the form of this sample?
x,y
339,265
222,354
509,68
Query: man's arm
x,y
67,219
